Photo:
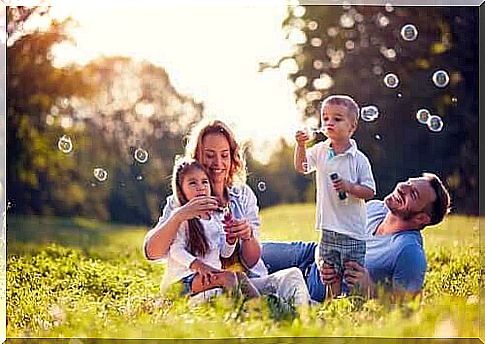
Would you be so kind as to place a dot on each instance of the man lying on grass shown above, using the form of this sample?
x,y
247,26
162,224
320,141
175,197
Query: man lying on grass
x,y
394,257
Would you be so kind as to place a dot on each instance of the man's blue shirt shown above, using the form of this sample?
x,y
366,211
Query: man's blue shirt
x,y
396,260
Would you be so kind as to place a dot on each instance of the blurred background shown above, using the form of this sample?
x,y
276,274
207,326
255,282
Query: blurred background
x,y
99,100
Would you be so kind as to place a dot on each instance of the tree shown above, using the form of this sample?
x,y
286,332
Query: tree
x,y
350,49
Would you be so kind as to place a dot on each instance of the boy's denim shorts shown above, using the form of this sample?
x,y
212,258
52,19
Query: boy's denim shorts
x,y
337,249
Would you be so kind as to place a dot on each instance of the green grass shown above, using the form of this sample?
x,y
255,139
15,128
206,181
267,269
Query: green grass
x,y
81,278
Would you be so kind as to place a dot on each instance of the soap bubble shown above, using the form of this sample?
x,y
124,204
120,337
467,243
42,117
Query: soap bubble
x,y
409,32
423,115
100,174
139,177
369,113
262,186
377,137
435,123
141,155
65,144
391,80
441,78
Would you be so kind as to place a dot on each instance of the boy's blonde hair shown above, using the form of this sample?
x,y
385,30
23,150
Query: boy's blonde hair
x,y
343,100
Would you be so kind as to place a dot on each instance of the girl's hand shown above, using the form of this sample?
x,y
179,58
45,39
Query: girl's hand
x,y
238,229
206,272
199,206
342,185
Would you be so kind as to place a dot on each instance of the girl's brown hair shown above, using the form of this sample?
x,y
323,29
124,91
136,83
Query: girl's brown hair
x,y
194,148
197,241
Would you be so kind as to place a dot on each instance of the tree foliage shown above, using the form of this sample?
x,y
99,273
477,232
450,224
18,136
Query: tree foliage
x,y
349,49
108,109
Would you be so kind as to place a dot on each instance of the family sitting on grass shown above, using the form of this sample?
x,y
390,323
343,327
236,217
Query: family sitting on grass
x,y
209,229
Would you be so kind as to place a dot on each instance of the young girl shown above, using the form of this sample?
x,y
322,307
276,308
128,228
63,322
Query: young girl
x,y
194,256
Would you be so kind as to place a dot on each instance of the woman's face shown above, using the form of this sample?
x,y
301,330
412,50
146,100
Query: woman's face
x,y
216,157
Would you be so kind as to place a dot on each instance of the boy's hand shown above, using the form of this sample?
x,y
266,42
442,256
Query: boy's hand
x,y
301,137
342,185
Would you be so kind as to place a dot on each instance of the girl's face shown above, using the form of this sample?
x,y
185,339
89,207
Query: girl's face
x,y
216,157
195,183
337,122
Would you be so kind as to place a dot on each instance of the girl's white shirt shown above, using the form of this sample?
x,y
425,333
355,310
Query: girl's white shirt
x,y
243,204
179,258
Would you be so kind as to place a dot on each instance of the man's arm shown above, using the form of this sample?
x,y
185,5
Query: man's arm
x,y
407,277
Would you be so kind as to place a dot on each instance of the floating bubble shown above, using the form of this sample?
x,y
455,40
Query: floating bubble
x,y
399,95
391,80
369,113
441,78
262,186
454,100
65,144
435,123
422,115
140,177
141,155
93,184
382,20
409,32
377,137
100,174
389,7
347,21
122,184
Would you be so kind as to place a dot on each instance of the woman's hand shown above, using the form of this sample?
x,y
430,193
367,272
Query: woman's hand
x,y
199,206
238,229
205,271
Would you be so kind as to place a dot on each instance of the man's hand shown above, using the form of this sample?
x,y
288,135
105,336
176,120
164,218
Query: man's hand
x,y
328,275
358,276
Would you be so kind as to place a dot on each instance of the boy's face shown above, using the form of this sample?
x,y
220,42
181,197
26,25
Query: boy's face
x,y
338,124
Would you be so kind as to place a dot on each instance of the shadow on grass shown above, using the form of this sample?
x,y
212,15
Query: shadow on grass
x,y
29,233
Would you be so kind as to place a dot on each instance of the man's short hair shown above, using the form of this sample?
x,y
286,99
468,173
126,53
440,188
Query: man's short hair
x,y
343,100
441,206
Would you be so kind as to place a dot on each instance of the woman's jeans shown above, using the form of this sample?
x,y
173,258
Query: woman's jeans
x,y
282,255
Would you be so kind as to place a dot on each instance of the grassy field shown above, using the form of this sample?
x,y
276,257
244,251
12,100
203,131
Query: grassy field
x,y
81,278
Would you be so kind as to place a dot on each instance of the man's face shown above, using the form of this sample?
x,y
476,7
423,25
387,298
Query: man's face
x,y
410,198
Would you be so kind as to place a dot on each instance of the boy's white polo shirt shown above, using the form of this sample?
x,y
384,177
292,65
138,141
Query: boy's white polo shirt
x,y
346,217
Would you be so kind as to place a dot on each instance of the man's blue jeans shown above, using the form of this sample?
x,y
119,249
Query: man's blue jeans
x,y
282,255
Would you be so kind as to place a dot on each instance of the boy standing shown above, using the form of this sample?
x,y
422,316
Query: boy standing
x,y
344,181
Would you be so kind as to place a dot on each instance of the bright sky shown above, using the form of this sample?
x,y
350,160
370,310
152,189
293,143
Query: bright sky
x,y
210,51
